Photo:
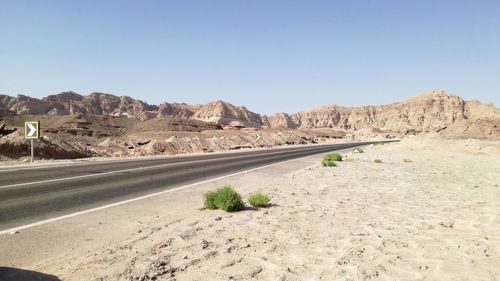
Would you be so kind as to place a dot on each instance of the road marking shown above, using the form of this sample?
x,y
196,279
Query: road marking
x,y
18,228
42,166
144,168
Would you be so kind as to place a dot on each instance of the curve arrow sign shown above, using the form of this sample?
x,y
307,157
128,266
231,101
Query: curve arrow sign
x,y
31,130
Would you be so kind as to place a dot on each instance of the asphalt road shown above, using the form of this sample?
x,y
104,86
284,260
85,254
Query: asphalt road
x,y
31,195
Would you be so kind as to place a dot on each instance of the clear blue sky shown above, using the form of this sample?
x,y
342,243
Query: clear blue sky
x,y
268,55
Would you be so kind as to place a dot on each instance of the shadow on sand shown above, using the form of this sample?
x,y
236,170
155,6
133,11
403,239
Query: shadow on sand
x,y
16,274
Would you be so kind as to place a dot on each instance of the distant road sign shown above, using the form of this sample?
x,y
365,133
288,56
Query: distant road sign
x,y
258,136
32,130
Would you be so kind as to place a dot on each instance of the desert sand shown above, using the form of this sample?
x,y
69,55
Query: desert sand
x,y
426,212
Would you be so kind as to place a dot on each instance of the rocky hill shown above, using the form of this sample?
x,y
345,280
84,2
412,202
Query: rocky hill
x,y
68,103
99,124
428,112
224,113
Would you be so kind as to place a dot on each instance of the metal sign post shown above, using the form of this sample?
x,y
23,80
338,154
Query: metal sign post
x,y
32,133
32,150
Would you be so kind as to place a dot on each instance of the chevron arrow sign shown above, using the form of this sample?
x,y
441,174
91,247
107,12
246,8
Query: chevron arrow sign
x,y
32,130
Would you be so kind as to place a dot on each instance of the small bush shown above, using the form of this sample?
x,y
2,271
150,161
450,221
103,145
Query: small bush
x,y
259,200
328,163
329,159
378,161
224,198
333,157
407,160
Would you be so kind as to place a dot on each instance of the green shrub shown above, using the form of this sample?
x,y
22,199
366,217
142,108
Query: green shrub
x,y
224,198
328,163
333,157
259,200
329,159
407,160
209,200
378,161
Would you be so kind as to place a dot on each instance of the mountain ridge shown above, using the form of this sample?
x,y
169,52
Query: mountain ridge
x,y
425,112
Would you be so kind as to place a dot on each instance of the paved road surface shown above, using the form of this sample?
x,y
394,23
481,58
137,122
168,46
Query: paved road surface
x,y
31,195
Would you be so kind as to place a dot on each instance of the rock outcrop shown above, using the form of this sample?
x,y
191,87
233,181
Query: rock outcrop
x,y
67,103
4,130
428,112
224,113
177,110
70,103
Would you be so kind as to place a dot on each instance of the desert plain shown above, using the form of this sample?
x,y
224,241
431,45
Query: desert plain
x,y
425,208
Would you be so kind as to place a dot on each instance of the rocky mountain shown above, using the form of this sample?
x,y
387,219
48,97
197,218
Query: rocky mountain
x,y
177,110
70,103
67,103
224,113
423,113
219,112
427,112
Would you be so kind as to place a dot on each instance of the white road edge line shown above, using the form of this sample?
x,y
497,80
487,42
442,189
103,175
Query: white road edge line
x,y
4,170
18,228
127,170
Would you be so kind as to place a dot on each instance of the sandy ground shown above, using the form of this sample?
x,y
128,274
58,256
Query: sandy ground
x,y
430,213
